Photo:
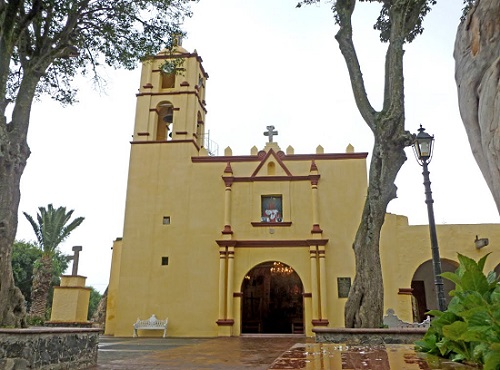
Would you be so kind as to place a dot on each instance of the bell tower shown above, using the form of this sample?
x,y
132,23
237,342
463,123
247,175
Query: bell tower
x,y
171,99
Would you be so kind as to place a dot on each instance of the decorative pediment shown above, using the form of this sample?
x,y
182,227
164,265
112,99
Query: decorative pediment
x,y
271,164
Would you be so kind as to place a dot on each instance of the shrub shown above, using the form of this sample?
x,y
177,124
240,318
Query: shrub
x,y
469,330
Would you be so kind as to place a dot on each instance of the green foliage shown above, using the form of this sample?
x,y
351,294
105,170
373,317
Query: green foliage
x,y
59,39
51,227
413,11
25,259
173,65
468,4
35,321
95,298
470,328
24,256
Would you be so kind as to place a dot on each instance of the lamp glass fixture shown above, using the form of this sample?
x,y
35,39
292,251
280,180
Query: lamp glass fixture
x,y
423,146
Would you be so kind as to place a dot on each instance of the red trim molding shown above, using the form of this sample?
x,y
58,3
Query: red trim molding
x,y
405,291
166,142
271,243
238,294
272,178
227,230
166,93
276,156
320,322
292,157
143,134
271,224
316,229
307,295
225,322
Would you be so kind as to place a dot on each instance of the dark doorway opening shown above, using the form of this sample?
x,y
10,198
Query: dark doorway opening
x,y
424,288
272,300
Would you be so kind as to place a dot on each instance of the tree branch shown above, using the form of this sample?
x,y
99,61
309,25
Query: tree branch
x,y
345,9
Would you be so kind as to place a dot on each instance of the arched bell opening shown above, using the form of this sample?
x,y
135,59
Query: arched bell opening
x,y
272,301
165,121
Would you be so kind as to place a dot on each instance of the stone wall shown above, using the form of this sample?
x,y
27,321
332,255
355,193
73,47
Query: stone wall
x,y
48,348
369,336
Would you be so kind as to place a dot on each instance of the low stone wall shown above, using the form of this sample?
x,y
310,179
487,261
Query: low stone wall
x,y
369,336
48,348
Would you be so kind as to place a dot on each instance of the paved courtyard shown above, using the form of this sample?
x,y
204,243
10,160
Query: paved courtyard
x,y
248,352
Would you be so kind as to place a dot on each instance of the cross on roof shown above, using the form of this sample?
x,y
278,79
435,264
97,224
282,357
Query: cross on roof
x,y
270,132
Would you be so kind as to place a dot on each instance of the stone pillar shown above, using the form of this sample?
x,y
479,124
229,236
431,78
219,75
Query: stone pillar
x,y
314,283
228,182
322,282
314,176
222,283
230,279
70,304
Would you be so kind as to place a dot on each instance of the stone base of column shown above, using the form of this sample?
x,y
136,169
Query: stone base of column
x,y
320,322
225,327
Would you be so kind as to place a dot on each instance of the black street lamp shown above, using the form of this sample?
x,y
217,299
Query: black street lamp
x,y
423,147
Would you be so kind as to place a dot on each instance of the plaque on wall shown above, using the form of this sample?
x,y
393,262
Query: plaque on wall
x,y
343,286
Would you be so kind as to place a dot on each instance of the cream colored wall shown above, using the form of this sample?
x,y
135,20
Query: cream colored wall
x,y
404,248
190,281
113,287
165,181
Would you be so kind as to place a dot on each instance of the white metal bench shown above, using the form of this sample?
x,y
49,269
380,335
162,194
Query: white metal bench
x,y
151,324
392,321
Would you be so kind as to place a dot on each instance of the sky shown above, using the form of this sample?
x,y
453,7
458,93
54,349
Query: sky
x,y
269,63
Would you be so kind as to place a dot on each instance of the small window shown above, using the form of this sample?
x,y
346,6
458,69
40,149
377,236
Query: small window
x,y
164,261
271,169
272,210
166,220
168,80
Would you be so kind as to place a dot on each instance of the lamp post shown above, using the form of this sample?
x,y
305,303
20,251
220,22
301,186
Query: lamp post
x,y
423,147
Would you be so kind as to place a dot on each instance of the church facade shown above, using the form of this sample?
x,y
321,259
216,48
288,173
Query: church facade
x,y
225,245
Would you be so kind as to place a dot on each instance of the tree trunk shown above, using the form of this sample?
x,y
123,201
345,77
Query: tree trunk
x,y
12,162
365,304
40,287
477,75
14,152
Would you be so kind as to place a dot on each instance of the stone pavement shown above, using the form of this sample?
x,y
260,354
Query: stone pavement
x,y
259,352
192,353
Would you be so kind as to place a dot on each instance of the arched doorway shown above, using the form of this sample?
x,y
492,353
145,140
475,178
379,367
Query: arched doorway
x,y
424,288
272,300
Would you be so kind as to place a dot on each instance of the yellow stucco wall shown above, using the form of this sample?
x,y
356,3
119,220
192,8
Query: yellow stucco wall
x,y
71,300
214,237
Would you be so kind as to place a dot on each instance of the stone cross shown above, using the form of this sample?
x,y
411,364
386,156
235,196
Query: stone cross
x,y
77,249
270,132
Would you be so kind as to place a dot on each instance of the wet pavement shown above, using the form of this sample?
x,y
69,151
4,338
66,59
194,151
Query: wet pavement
x,y
258,352
192,353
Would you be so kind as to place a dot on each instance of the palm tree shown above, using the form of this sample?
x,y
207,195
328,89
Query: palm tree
x,y
51,228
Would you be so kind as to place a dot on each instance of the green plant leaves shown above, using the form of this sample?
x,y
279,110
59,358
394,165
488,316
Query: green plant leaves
x,y
470,328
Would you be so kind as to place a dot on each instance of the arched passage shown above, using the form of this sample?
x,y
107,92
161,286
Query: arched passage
x,y
272,300
424,288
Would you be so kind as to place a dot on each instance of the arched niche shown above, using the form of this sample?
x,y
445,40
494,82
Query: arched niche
x,y
424,288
